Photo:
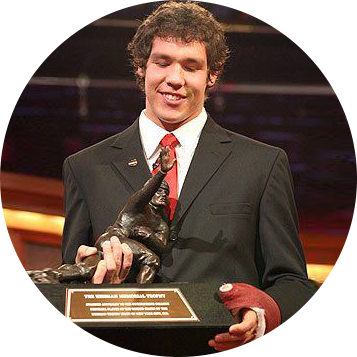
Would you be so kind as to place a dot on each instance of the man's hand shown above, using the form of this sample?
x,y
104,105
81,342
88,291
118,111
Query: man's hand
x,y
238,334
116,264
165,164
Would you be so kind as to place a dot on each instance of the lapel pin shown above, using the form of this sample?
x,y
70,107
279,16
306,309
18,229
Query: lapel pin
x,y
133,162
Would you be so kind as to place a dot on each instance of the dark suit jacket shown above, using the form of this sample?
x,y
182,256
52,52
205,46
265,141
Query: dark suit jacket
x,y
236,219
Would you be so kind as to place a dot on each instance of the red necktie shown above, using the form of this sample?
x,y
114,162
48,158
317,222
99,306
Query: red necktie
x,y
171,141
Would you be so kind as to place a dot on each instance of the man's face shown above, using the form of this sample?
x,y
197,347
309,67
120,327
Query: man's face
x,y
176,77
161,197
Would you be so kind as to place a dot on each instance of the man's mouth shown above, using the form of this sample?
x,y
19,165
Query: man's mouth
x,y
174,98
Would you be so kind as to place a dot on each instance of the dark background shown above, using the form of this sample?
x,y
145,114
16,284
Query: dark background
x,y
270,91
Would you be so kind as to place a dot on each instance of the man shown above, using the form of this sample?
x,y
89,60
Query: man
x,y
235,220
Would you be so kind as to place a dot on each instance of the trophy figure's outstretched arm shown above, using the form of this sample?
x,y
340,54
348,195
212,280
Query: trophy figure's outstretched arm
x,y
141,198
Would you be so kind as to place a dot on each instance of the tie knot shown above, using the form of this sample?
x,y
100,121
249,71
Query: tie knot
x,y
169,140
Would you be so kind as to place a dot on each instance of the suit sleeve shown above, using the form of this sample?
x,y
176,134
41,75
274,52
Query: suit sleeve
x,y
77,228
282,261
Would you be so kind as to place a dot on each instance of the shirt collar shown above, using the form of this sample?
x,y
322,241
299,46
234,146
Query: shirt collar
x,y
187,135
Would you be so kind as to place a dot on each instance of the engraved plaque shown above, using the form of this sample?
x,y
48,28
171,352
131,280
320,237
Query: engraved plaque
x,y
128,305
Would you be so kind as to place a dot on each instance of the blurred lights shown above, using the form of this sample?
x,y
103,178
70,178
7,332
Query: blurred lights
x,y
32,221
332,273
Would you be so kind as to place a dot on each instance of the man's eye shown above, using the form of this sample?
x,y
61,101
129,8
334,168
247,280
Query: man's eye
x,y
190,69
162,64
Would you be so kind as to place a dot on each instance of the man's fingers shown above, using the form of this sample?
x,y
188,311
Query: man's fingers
x,y
117,251
238,335
116,264
127,262
227,337
223,338
118,259
239,329
250,322
100,273
224,346
110,261
83,252
250,338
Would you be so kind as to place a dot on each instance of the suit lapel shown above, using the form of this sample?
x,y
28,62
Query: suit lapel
x,y
212,150
130,151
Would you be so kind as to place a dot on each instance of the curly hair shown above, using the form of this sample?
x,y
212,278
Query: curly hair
x,y
184,21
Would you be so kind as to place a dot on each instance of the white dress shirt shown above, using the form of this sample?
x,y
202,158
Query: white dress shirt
x,y
187,135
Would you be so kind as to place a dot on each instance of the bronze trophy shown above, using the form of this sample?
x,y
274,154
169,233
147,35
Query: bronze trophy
x,y
141,224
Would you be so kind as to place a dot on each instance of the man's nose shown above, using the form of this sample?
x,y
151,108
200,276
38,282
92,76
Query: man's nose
x,y
175,76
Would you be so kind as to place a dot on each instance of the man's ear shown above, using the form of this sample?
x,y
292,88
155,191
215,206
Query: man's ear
x,y
140,72
212,77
